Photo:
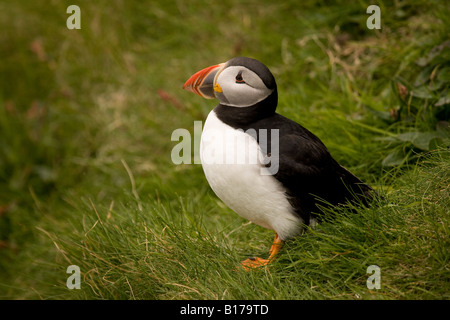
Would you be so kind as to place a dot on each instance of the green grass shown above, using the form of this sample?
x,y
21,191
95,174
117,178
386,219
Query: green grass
x,y
86,176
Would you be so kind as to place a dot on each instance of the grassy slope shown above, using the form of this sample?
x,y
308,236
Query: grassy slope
x,y
86,177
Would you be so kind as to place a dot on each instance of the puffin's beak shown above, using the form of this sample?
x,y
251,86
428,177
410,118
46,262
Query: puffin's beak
x,y
203,82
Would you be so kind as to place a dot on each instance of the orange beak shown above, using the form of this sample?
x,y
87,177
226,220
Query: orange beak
x,y
203,82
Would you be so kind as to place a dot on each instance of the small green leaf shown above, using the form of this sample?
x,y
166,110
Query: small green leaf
x,y
383,115
443,100
436,85
420,140
444,74
423,76
395,158
408,136
438,54
423,139
421,92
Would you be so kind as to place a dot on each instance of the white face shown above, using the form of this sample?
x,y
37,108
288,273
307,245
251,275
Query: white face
x,y
240,87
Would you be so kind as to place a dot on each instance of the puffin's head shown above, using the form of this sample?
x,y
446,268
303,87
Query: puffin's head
x,y
239,82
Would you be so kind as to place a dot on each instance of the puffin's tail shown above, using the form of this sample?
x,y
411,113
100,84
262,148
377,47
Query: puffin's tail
x,y
358,191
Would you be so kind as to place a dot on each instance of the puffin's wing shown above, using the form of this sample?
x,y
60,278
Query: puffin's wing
x,y
307,169
303,160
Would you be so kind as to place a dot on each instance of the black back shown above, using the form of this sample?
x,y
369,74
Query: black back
x,y
306,168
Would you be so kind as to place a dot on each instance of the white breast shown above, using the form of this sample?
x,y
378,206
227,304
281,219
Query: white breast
x,y
230,160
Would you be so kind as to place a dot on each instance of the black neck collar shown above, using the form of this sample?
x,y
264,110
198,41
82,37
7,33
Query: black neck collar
x,y
243,117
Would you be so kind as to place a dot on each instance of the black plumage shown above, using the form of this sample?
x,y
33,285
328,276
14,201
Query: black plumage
x,y
307,170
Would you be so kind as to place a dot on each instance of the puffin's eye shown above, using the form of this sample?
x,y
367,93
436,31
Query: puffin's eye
x,y
239,78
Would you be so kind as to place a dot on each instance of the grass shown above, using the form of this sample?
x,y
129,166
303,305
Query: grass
x,y
86,177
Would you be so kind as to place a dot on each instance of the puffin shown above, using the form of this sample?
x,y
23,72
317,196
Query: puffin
x,y
265,167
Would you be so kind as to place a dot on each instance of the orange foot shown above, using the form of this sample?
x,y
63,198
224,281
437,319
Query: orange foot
x,y
256,262
253,263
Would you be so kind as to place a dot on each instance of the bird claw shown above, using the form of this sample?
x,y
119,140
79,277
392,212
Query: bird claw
x,y
254,263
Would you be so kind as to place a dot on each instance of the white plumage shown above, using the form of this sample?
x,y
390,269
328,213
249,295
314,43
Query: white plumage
x,y
231,162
